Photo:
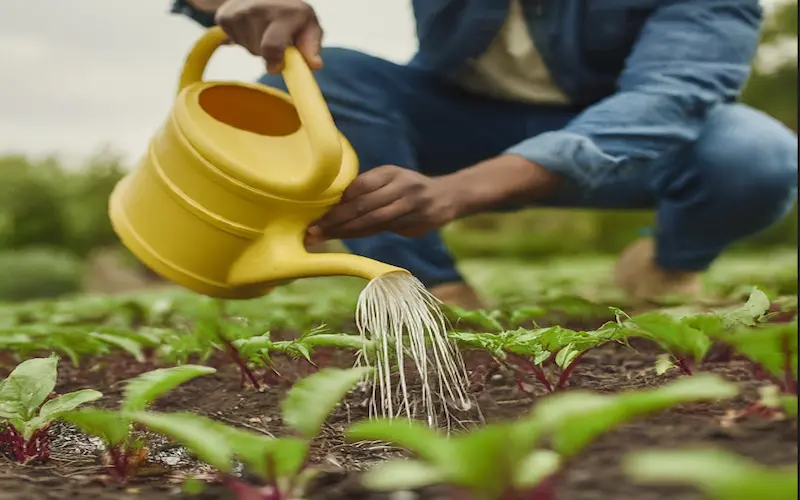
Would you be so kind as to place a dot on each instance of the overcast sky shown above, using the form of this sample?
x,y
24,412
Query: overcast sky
x,y
79,74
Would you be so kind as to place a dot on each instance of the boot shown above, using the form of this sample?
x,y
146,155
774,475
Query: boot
x,y
638,275
459,294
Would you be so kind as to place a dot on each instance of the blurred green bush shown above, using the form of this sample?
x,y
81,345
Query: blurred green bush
x,y
38,273
44,204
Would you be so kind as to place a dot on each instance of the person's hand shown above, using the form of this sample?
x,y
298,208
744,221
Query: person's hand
x,y
388,198
267,27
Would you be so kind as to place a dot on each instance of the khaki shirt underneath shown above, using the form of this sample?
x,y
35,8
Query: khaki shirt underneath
x,y
512,68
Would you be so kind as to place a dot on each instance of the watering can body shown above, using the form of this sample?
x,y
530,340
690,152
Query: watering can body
x,y
221,201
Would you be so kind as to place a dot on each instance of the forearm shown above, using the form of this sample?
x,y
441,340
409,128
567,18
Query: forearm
x,y
500,181
691,56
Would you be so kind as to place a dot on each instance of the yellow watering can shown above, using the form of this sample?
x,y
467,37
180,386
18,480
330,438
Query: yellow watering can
x,y
222,199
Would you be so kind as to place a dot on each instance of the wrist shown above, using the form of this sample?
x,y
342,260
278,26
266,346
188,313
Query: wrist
x,y
500,181
207,6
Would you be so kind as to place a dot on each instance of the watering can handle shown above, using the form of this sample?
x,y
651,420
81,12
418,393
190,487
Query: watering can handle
x,y
306,95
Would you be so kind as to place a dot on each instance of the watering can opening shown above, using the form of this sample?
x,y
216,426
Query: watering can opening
x,y
222,199
250,110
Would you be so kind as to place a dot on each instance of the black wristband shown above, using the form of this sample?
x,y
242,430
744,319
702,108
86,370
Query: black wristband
x,y
183,7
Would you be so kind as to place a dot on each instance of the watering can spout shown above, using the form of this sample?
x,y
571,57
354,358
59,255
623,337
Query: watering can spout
x,y
263,266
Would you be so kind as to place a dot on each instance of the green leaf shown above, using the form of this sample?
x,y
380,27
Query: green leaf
x,y
126,344
269,458
402,475
771,397
483,319
253,346
527,313
312,399
663,363
566,355
338,340
767,345
193,486
484,461
109,425
677,336
217,444
27,387
536,467
412,436
576,418
56,407
720,475
789,405
142,390
757,305
204,437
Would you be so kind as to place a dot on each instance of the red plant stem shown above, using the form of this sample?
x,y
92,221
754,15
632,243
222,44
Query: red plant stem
x,y
562,380
683,364
36,448
117,471
789,382
13,442
243,369
525,365
243,491
788,385
541,377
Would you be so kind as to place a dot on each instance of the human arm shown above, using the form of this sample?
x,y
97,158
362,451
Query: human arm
x,y
392,198
263,27
691,56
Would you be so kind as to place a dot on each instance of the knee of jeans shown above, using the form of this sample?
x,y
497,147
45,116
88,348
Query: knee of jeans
x,y
750,157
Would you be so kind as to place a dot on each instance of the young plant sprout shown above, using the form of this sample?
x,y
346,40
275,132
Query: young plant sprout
x,y
505,461
27,408
574,419
126,452
526,352
688,337
404,320
719,475
261,350
771,350
281,462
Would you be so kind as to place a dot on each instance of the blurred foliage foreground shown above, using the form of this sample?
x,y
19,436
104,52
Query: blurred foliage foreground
x,y
52,219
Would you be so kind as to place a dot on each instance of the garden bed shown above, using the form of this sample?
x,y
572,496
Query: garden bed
x,y
106,341
75,471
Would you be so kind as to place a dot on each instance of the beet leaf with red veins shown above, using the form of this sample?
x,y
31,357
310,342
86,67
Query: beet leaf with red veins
x,y
27,408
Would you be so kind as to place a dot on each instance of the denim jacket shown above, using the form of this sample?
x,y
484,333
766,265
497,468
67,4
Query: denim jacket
x,y
646,73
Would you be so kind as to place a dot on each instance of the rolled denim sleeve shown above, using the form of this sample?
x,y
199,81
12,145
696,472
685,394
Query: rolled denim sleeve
x,y
205,19
690,56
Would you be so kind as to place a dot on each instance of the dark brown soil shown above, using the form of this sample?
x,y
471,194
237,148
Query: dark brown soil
x,y
75,470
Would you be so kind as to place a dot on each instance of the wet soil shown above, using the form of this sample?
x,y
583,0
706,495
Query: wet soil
x,y
75,470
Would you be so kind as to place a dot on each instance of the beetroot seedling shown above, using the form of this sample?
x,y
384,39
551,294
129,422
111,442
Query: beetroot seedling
x,y
302,352
505,461
125,451
26,413
527,352
718,474
283,462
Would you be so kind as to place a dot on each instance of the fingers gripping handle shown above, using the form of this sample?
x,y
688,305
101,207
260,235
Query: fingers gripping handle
x,y
323,136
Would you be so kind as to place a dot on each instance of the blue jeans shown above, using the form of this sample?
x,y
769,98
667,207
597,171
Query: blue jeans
x,y
737,179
